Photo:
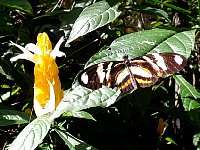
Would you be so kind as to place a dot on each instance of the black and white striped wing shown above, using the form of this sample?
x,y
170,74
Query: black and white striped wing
x,y
149,68
101,74
142,72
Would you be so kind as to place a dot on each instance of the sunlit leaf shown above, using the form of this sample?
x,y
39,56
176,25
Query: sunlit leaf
x,y
32,135
79,114
170,140
181,43
93,17
80,98
189,95
148,41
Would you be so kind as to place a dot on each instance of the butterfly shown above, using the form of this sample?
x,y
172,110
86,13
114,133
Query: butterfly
x,y
130,74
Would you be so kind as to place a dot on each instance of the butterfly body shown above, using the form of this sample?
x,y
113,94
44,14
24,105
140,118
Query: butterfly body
x,y
143,71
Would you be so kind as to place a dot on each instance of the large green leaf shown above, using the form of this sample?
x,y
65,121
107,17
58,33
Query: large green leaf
x,y
11,117
190,99
189,95
93,17
148,41
31,135
79,98
181,43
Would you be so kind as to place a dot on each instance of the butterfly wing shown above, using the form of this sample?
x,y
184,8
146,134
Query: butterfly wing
x,y
101,74
144,73
166,63
150,67
141,72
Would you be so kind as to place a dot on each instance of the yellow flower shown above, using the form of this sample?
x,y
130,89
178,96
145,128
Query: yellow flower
x,y
47,86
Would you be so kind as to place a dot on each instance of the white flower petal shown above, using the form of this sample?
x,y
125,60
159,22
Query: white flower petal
x,y
56,53
25,55
33,48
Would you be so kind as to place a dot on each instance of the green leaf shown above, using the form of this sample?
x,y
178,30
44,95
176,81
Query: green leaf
x,y
189,95
11,117
170,140
67,19
79,114
93,17
72,142
32,135
181,43
80,98
190,99
84,98
23,5
140,43
148,41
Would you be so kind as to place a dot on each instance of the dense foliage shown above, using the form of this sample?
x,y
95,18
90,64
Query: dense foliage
x,y
163,116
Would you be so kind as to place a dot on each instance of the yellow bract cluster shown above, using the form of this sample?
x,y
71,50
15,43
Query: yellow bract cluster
x,y
46,72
